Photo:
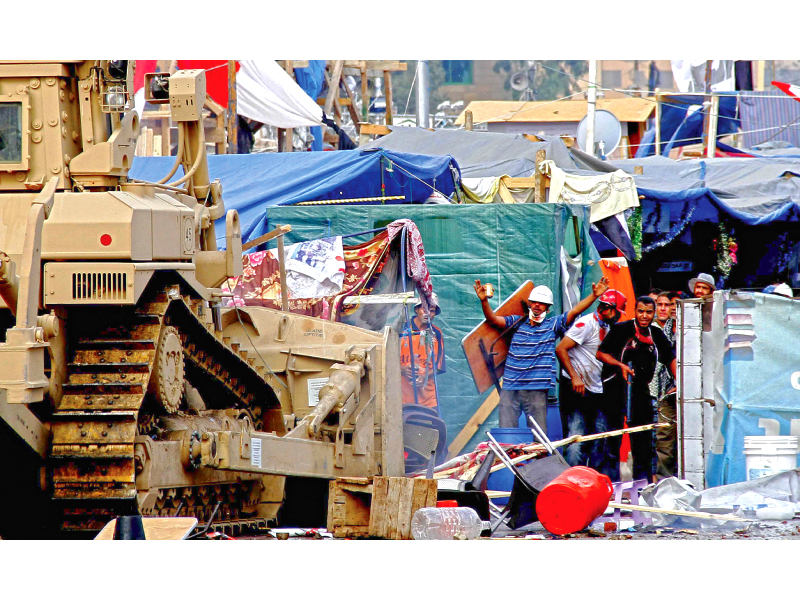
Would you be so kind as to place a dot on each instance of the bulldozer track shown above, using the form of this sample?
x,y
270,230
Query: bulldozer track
x,y
107,403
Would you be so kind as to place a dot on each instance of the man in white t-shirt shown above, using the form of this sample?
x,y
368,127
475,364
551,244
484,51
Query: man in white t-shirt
x,y
581,402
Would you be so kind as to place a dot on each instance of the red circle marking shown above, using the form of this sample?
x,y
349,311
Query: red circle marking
x,y
105,239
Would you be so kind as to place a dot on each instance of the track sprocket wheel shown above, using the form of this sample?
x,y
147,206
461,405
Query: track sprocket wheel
x,y
167,381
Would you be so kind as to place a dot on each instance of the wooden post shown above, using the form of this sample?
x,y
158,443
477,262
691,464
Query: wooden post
x,y
282,267
233,122
333,85
351,107
288,134
658,122
364,94
387,84
468,120
539,189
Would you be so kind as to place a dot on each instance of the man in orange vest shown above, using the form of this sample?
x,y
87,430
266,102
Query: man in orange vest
x,y
428,346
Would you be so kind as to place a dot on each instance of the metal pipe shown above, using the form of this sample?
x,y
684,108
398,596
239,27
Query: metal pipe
x,y
423,95
592,105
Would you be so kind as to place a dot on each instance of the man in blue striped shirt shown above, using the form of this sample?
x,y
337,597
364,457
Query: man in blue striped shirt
x,y
530,368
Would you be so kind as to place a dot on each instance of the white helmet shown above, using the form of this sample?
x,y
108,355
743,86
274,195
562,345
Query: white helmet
x,y
541,293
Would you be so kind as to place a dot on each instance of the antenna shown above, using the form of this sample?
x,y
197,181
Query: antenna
x,y
607,134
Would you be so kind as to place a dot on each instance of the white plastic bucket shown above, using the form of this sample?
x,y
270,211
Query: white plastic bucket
x,y
769,454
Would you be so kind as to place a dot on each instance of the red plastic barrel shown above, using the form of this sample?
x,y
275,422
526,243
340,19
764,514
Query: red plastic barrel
x,y
573,500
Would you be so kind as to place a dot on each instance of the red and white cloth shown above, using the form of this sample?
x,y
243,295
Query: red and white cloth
x,y
415,261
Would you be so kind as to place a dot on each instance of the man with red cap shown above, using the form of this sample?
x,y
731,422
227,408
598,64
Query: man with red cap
x,y
630,353
584,409
530,367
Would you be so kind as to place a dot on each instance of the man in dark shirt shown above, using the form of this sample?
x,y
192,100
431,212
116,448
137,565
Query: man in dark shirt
x,y
641,346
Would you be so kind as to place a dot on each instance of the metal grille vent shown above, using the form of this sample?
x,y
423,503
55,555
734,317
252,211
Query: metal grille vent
x,y
99,286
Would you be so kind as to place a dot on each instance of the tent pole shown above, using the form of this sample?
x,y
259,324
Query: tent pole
x,y
233,121
592,105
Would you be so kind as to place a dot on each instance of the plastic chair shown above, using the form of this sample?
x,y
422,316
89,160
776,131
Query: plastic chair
x,y
424,416
632,488
422,441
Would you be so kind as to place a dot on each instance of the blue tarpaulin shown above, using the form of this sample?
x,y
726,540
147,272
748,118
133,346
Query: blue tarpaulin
x,y
682,123
756,378
312,80
251,182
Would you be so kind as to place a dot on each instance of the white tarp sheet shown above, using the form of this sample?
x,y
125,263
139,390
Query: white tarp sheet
x,y
267,94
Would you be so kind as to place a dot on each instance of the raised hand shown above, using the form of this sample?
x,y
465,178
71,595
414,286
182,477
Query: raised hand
x,y
600,288
480,290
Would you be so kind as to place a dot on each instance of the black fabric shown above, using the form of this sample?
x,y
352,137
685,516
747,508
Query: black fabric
x,y
744,74
345,143
245,138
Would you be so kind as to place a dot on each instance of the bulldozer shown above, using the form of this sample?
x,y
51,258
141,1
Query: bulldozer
x,y
127,386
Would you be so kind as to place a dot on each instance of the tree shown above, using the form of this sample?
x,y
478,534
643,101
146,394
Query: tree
x,y
552,79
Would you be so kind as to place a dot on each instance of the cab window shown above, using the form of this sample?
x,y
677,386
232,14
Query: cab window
x,y
11,132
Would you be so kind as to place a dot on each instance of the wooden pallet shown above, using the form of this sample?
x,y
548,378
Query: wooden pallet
x,y
380,508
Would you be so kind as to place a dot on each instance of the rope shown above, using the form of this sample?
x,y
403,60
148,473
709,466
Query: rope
x,y
349,200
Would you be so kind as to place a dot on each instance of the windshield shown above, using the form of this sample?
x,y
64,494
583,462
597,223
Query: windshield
x,y
10,132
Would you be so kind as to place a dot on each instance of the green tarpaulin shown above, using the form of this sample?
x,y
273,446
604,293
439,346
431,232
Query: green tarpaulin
x,y
502,244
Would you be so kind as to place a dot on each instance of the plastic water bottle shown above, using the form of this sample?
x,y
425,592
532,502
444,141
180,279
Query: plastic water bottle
x,y
447,524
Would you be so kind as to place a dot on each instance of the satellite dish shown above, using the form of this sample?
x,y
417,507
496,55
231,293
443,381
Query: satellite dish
x,y
607,133
520,81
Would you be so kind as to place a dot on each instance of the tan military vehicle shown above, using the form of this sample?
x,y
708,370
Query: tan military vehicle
x,y
125,387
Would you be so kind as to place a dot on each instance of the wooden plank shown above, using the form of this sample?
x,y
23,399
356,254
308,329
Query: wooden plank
x,y
419,495
530,137
682,513
376,65
351,531
334,501
282,268
296,64
337,108
404,506
278,231
149,142
539,190
156,528
489,334
468,120
233,118
166,137
374,129
364,95
392,507
333,85
474,423
520,182
351,107
377,513
341,101
387,91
